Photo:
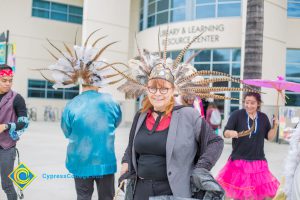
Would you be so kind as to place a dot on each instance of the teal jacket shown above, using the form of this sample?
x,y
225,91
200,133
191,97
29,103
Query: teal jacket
x,y
89,122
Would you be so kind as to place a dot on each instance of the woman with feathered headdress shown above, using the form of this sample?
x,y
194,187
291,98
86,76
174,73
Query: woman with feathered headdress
x,y
165,137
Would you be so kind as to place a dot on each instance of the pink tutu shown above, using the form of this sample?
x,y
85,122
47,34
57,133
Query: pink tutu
x,y
245,180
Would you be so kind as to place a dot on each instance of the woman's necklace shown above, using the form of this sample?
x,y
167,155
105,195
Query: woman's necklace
x,y
255,120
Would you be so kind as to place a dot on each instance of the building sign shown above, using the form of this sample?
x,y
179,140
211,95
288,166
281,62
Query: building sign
x,y
185,34
2,53
11,58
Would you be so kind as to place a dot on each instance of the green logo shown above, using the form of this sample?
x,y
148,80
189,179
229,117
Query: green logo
x,y
22,176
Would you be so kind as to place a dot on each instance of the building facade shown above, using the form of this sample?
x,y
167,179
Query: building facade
x,y
222,45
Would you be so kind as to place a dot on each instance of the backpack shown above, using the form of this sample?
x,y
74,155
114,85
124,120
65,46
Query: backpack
x,y
215,118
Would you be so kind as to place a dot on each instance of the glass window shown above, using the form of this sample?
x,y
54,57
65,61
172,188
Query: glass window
x,y
200,67
36,84
293,56
75,10
59,7
177,15
293,9
179,10
57,11
162,18
293,99
236,55
236,69
36,93
293,74
203,56
162,5
293,70
151,9
205,1
75,19
59,16
40,13
43,89
229,10
55,94
221,68
41,4
151,21
221,55
206,11
177,3
296,80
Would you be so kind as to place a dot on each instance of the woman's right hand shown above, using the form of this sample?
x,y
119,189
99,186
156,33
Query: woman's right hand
x,y
124,168
232,134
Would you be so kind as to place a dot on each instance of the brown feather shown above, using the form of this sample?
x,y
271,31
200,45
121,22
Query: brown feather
x,y
61,53
51,81
140,53
192,57
214,96
181,54
87,39
217,89
102,50
166,47
56,58
68,49
114,82
94,44
158,40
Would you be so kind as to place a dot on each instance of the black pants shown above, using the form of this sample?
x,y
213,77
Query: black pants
x,y
147,188
7,159
105,187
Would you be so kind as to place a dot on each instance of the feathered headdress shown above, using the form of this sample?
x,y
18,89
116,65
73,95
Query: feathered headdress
x,y
80,66
186,79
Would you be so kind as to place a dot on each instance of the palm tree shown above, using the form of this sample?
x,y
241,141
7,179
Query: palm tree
x,y
254,39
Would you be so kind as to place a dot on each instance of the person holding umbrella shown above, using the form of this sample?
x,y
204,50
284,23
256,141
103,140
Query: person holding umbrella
x,y
246,175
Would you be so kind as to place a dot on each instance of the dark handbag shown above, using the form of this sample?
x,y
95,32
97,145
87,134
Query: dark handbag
x,y
130,178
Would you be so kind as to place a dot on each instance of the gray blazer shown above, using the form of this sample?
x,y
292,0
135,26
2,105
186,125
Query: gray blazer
x,y
188,133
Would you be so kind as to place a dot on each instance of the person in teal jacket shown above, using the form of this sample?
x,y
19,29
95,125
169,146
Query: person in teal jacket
x,y
89,122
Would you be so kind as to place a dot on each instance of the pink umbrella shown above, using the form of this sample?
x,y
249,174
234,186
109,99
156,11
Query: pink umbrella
x,y
280,85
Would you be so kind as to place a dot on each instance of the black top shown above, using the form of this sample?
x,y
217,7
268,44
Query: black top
x,y
20,109
151,153
248,147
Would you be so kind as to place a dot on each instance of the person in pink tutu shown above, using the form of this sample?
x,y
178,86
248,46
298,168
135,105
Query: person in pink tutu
x,y
246,175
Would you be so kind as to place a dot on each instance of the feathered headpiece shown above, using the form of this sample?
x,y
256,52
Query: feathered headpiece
x,y
186,79
80,66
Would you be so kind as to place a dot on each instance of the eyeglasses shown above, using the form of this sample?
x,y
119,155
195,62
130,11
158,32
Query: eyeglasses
x,y
153,90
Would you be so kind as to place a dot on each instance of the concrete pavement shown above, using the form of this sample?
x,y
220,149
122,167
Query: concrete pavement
x,y
43,150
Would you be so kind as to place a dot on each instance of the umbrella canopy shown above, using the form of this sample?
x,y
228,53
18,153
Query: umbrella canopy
x,y
280,84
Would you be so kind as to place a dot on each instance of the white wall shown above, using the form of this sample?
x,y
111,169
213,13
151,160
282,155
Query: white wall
x,y
274,45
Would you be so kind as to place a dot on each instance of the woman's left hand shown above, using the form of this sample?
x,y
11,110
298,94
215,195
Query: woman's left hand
x,y
275,122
